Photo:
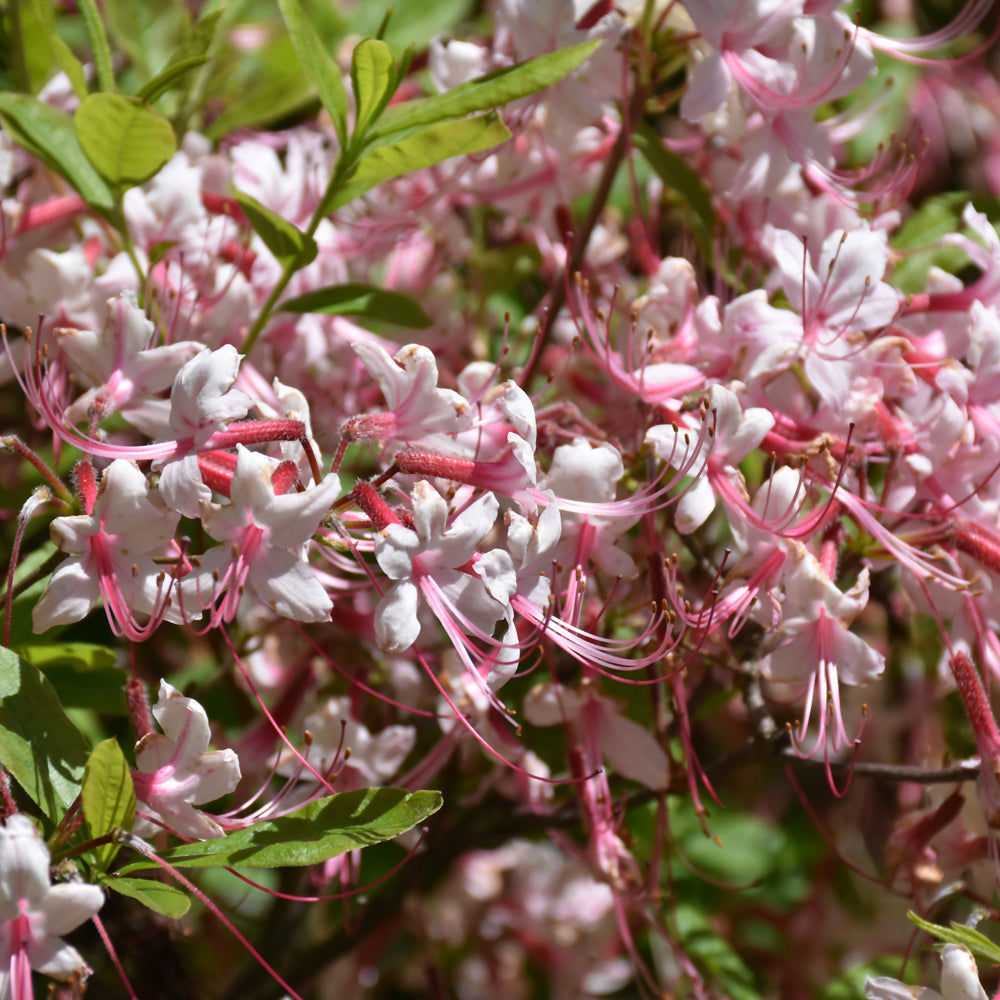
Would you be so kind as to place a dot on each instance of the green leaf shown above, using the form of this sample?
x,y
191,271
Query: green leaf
x,y
422,149
80,655
47,133
191,53
320,68
98,44
288,244
125,139
489,91
43,751
960,934
317,832
167,900
361,300
162,82
680,178
68,63
108,797
83,675
373,77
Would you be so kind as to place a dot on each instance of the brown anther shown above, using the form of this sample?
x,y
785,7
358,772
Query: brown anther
x,y
307,738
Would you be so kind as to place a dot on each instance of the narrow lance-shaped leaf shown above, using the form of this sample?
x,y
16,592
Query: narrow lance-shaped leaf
x,y
41,749
431,145
373,76
167,900
319,66
960,934
191,53
125,139
361,300
98,44
288,243
108,797
489,91
317,832
68,62
47,133
679,177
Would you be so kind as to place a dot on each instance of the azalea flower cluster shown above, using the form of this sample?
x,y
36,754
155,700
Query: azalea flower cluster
x,y
701,482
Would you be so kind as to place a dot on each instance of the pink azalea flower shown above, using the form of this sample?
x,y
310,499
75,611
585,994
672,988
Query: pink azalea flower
x,y
34,913
175,771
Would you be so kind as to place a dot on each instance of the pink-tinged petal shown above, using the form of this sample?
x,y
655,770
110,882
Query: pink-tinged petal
x,y
708,88
289,586
884,988
218,774
67,905
24,865
430,512
694,507
580,472
293,518
184,721
632,750
153,752
496,569
396,622
202,400
959,974
395,547
74,533
55,958
182,487
856,661
69,597
457,545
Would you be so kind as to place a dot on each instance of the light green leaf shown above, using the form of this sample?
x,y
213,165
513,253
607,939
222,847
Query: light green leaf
x,y
285,241
125,139
162,82
489,91
98,44
191,53
680,178
422,149
361,300
47,133
167,900
320,68
43,751
373,77
960,934
317,832
70,65
80,655
108,797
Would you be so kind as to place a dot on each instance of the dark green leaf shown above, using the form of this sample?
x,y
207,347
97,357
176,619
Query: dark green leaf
x,y
108,797
489,91
285,241
320,68
423,149
314,833
361,300
47,133
373,76
125,139
43,751
159,897
680,178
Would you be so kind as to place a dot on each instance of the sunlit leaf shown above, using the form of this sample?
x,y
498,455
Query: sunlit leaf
x,y
43,751
423,149
108,797
125,139
373,76
489,91
361,300
285,241
165,899
48,133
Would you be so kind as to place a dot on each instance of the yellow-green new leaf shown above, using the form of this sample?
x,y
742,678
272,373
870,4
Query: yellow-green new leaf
x,y
165,899
373,76
108,797
423,149
124,138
